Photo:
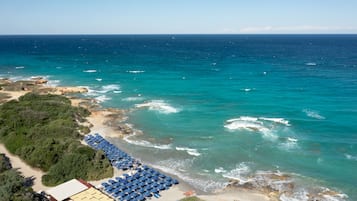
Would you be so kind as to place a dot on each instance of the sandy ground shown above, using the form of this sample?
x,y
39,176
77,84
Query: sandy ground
x,y
25,169
14,94
97,119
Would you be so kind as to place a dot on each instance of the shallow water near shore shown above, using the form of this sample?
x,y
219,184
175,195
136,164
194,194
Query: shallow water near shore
x,y
213,108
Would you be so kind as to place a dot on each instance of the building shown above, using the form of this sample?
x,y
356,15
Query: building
x,y
76,190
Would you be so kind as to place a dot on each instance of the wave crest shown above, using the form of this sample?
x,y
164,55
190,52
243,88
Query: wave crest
x,y
313,114
190,151
135,71
264,125
133,99
90,71
144,143
158,105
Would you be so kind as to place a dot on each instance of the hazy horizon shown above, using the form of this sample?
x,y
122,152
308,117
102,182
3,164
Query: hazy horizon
x,y
18,17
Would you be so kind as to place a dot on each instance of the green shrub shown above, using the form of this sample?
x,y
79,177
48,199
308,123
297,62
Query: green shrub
x,y
193,198
43,131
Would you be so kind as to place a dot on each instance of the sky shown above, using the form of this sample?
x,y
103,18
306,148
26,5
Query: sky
x,y
178,16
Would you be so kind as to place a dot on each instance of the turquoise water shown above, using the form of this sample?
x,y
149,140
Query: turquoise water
x,y
216,107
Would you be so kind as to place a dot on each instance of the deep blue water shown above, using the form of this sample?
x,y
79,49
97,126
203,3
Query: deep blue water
x,y
205,103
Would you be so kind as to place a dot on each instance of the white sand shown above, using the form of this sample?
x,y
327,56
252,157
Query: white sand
x,y
97,119
25,169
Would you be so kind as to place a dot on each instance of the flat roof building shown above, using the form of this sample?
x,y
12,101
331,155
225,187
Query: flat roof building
x,y
75,190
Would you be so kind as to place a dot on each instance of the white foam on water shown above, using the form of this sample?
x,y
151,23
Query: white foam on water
x,y
172,166
350,157
102,98
158,105
276,120
133,99
220,170
239,173
313,114
190,151
144,143
99,79
247,123
99,94
311,64
53,83
296,196
19,67
247,89
266,126
90,71
110,87
135,71
289,143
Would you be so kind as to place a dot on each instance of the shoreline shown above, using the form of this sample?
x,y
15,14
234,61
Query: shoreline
x,y
104,121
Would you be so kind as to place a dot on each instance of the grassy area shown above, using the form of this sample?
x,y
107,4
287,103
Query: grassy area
x,y
193,198
43,131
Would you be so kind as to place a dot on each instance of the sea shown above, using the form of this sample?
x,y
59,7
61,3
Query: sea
x,y
210,108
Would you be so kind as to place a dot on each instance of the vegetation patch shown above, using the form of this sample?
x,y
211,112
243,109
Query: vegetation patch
x,y
43,131
13,186
193,198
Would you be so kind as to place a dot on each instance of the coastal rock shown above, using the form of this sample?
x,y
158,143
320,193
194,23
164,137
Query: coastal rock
x,y
5,81
41,81
70,90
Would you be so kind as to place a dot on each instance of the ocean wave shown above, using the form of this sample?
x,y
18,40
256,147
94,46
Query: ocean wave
x,y
276,120
220,170
173,166
90,71
313,114
19,67
133,99
246,89
311,64
99,79
135,71
110,87
53,83
102,98
144,143
102,90
190,151
288,144
158,105
350,157
239,173
266,126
